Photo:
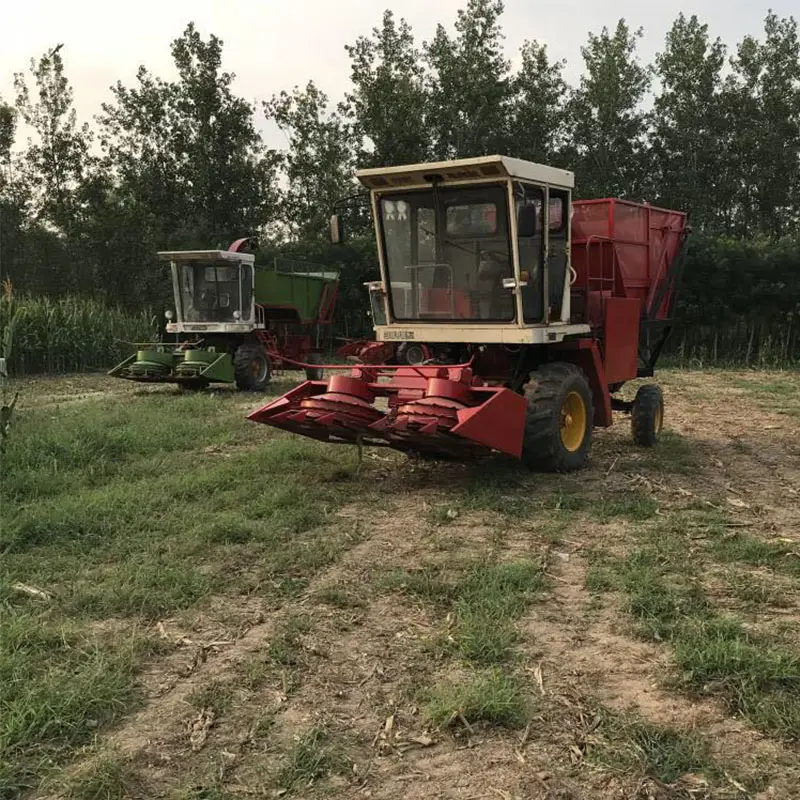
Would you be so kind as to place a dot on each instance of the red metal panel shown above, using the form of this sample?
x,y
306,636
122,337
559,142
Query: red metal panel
x,y
621,341
498,423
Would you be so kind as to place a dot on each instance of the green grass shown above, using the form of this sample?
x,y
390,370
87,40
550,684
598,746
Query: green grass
x,y
107,778
743,548
312,757
715,653
631,746
779,396
484,601
759,591
58,686
483,696
216,695
128,509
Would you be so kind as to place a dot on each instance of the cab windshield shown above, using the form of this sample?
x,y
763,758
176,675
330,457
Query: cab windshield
x,y
447,254
215,291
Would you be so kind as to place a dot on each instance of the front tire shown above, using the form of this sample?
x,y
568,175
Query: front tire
x,y
251,367
559,419
647,415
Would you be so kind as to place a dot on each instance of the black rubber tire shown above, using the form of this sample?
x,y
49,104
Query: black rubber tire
x,y
314,373
411,353
243,362
546,392
647,415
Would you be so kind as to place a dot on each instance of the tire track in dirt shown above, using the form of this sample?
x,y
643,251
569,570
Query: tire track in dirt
x,y
585,651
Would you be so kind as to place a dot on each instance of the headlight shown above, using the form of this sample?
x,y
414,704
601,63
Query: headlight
x,y
168,314
237,315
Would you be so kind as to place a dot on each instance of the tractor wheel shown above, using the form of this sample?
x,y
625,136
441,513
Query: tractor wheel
x,y
647,415
559,420
412,353
314,373
251,367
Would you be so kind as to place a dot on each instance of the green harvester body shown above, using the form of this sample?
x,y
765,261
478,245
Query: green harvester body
x,y
228,309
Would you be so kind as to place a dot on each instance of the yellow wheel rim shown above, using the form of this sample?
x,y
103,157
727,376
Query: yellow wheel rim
x,y
573,422
659,418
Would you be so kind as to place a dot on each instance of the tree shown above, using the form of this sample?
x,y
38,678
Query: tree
x,y
690,138
389,101
762,99
318,164
187,152
54,163
540,95
606,121
7,132
470,85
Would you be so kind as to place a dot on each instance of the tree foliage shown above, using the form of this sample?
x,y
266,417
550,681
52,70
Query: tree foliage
x,y
469,84
388,104
319,162
709,127
607,124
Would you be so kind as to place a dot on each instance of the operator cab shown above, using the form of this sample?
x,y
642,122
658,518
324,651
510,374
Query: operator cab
x,y
213,290
473,250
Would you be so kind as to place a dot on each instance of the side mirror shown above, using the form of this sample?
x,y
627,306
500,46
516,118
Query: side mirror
x,y
336,230
526,222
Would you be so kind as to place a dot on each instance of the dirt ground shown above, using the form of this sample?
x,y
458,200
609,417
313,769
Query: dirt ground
x,y
360,653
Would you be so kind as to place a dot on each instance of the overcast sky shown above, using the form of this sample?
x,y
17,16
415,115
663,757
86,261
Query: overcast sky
x,y
276,44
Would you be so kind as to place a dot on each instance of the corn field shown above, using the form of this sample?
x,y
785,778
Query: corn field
x,y
71,334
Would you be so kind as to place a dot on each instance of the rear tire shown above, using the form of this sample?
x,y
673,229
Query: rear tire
x,y
314,373
251,367
647,415
559,419
412,353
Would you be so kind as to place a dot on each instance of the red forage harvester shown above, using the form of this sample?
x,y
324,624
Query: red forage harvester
x,y
517,314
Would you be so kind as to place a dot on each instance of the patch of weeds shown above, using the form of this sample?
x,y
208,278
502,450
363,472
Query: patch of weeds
x,y
778,396
286,646
635,506
675,453
658,597
720,657
568,500
429,584
717,656
483,696
747,549
497,487
291,568
108,778
212,791
262,727
57,688
602,573
488,601
439,515
340,597
672,454
485,602
312,757
630,745
149,587
216,695
757,590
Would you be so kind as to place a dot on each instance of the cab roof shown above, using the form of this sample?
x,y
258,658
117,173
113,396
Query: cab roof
x,y
206,255
464,170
